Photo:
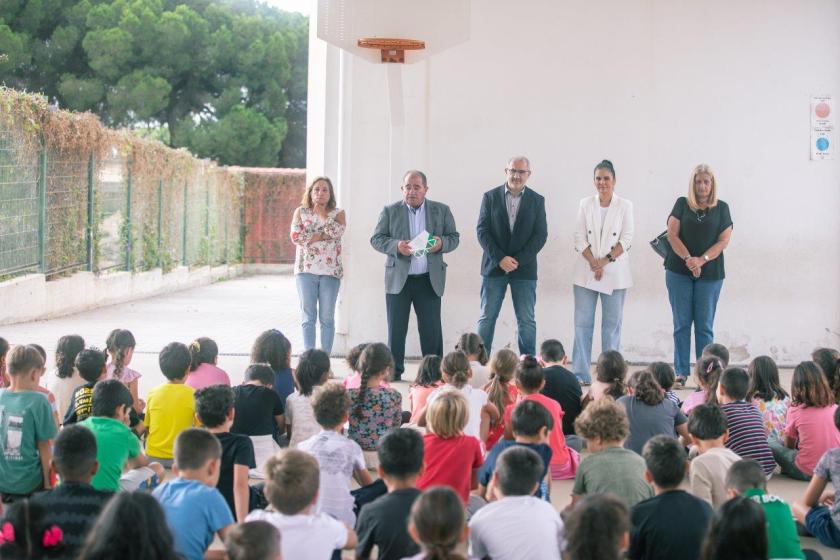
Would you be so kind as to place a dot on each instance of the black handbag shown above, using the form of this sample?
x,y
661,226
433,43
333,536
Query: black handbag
x,y
660,244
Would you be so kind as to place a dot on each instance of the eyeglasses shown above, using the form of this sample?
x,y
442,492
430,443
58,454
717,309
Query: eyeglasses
x,y
516,172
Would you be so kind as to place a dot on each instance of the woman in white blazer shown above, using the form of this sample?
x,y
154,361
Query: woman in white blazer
x,y
603,235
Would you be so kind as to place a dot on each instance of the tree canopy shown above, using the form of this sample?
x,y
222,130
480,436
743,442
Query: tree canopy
x,y
224,78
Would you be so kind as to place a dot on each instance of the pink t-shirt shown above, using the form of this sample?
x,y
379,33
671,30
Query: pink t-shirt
x,y
693,400
556,439
127,375
417,397
206,375
355,381
814,427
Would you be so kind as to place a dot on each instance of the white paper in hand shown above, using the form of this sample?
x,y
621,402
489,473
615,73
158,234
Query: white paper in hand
x,y
422,244
603,286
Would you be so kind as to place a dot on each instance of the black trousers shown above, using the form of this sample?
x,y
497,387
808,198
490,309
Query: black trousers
x,y
417,291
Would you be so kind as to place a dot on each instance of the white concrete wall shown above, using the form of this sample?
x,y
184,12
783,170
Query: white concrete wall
x,y
655,86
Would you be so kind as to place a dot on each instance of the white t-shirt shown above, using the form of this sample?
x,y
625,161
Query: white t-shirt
x,y
301,416
305,536
476,398
62,389
517,527
338,456
480,375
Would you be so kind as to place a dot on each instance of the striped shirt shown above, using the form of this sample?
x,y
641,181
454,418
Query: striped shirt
x,y
747,435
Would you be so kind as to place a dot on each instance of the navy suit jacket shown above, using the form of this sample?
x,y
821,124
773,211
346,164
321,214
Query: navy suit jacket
x,y
529,234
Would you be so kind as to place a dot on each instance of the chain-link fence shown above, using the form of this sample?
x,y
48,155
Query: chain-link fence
x,y
95,199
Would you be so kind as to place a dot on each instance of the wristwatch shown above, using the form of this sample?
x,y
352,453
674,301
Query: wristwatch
x,y
706,258
610,257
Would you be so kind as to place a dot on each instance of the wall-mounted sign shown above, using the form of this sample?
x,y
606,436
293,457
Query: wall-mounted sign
x,y
822,127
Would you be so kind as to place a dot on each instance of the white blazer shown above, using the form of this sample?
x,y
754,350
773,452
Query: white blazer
x,y
617,228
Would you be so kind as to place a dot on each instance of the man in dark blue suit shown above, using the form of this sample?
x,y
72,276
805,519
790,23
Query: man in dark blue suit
x,y
511,229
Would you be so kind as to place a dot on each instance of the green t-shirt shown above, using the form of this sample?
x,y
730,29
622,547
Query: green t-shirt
x,y
25,419
115,444
782,539
615,470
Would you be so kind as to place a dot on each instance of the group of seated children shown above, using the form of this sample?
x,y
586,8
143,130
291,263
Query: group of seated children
x,y
659,477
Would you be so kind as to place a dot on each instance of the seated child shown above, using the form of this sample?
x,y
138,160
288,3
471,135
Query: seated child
x,y
313,371
74,504
26,532
42,388
292,480
195,509
456,372
610,371
274,349
738,531
90,363
707,426
745,478
530,381
354,380
768,395
254,540
810,430
517,525
818,511
598,528
64,379
719,351
673,523
26,427
747,435
204,355
120,345
438,524
171,407
563,386
501,390
649,412
384,522
473,348
339,458
609,468
259,413
214,409
451,458
117,446
532,423
707,371
4,350
428,379
664,375
132,525
376,409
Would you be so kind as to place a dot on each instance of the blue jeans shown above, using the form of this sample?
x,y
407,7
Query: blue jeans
x,y
819,523
692,301
318,294
612,308
524,295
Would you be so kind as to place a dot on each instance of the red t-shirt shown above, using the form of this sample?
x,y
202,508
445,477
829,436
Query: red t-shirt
x,y
450,462
560,453
497,432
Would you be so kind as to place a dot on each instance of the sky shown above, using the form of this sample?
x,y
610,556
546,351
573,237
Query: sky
x,y
302,6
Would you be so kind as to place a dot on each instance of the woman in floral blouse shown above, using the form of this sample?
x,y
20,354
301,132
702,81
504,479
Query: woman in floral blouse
x,y
317,227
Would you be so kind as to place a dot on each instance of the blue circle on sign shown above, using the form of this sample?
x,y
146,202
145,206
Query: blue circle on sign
x,y
822,144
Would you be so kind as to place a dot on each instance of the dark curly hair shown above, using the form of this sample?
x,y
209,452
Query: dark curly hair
x,y
645,388
272,348
66,350
611,368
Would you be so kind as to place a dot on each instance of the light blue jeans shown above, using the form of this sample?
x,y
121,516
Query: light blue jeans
x,y
692,301
524,296
612,310
318,294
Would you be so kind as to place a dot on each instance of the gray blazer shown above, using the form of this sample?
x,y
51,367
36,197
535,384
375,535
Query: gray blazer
x,y
392,227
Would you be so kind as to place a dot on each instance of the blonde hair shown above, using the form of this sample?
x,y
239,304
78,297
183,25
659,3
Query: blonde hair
x,y
502,368
306,200
292,480
692,194
447,415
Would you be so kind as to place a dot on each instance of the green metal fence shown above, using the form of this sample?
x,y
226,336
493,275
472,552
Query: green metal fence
x,y
65,210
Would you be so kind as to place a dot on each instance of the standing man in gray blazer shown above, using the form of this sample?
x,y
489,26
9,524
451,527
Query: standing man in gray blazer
x,y
414,278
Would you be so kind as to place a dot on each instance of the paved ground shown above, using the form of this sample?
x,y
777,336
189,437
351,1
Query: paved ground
x,y
233,313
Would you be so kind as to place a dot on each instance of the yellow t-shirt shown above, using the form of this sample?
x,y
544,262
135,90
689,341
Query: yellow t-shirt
x,y
170,409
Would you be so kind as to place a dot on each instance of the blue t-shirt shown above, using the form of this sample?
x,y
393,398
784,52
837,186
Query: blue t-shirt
x,y
194,512
284,383
485,474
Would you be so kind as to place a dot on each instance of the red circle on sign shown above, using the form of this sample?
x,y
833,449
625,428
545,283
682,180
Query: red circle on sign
x,y
822,110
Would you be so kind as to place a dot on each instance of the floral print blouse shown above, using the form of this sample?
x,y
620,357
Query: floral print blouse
x,y
321,257
775,415
381,412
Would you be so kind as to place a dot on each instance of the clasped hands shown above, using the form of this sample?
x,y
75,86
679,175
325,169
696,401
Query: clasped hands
x,y
597,266
695,265
404,246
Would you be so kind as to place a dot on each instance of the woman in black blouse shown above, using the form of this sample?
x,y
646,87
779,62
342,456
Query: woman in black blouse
x,y
699,229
